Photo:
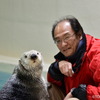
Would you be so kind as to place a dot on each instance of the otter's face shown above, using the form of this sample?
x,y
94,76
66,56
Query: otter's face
x,y
31,59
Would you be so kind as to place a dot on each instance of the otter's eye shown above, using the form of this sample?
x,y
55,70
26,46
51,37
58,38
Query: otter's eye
x,y
37,53
25,56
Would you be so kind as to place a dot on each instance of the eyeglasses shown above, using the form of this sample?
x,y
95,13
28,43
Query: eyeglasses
x,y
65,39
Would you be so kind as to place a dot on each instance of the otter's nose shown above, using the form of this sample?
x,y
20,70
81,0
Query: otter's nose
x,y
33,56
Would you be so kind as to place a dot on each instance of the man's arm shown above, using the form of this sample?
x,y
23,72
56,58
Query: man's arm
x,y
54,75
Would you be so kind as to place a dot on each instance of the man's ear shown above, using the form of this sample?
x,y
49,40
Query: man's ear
x,y
81,37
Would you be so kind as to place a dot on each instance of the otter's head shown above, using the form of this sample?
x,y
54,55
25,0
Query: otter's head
x,y
31,59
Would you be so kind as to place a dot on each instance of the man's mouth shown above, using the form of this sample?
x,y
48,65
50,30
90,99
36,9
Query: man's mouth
x,y
66,49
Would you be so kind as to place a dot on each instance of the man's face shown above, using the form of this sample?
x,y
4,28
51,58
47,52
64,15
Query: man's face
x,y
66,39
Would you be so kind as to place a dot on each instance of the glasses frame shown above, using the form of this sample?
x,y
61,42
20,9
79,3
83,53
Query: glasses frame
x,y
66,39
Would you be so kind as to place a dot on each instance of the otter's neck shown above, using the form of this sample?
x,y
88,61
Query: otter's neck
x,y
29,76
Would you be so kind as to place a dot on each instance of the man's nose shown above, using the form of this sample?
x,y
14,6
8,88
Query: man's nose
x,y
63,43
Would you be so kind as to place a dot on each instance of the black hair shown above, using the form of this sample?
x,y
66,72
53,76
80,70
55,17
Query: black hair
x,y
77,28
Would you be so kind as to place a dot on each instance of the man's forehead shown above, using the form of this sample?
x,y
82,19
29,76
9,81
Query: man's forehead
x,y
62,26
63,23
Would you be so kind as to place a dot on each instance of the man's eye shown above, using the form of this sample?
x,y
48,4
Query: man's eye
x,y
58,41
66,38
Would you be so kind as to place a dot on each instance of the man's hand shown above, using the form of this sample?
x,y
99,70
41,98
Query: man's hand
x,y
70,97
66,68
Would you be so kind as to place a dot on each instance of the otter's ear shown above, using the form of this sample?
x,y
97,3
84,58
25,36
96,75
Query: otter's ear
x,y
20,62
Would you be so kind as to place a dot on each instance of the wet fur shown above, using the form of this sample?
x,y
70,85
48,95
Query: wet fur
x,y
26,83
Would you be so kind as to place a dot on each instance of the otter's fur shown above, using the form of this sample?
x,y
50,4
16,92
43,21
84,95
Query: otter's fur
x,y
26,82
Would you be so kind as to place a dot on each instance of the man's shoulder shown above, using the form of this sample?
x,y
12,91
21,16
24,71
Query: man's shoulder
x,y
93,46
92,42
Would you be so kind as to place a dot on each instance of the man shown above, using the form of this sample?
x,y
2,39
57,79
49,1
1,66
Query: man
x,y
77,65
